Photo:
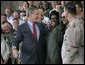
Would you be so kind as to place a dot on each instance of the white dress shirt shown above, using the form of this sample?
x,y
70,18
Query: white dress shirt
x,y
30,24
10,19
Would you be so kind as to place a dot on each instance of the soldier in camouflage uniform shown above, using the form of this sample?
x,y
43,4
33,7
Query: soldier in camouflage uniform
x,y
73,42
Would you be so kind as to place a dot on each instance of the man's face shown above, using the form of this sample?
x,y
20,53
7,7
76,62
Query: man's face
x,y
6,27
8,12
41,14
25,5
64,17
53,4
78,9
35,16
30,2
15,24
44,5
3,18
58,7
65,13
24,18
15,15
22,15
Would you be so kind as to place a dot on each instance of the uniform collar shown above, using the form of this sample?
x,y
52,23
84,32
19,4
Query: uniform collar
x,y
71,21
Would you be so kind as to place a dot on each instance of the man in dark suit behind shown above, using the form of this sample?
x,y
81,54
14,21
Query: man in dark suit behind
x,y
33,49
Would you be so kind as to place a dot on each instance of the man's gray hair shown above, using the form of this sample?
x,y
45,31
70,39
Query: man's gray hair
x,y
30,10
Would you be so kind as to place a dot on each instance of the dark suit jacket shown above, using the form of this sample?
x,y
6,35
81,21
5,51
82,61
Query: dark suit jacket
x,y
32,51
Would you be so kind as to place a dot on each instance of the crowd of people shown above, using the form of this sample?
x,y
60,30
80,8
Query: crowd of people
x,y
50,33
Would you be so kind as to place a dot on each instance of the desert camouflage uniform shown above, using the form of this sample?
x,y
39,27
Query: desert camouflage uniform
x,y
73,43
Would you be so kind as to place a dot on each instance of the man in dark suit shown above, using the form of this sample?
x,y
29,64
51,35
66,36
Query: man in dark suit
x,y
32,35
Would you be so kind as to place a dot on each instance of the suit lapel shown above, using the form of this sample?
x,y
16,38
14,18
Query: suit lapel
x,y
40,29
29,31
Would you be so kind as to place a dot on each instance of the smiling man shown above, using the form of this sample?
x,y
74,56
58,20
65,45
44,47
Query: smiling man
x,y
32,35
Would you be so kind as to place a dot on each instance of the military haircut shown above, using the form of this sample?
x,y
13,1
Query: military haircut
x,y
70,7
